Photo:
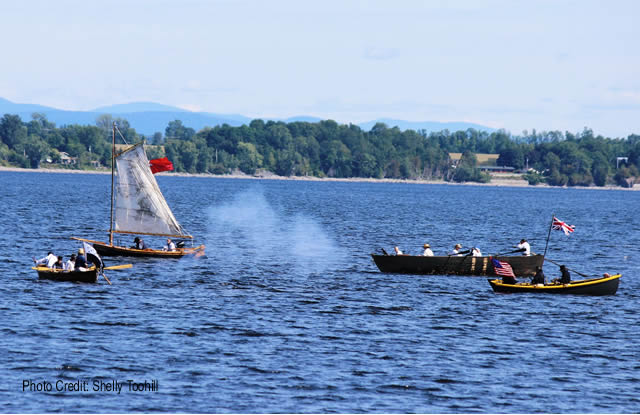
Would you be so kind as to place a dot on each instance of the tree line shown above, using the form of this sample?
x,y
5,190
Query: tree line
x,y
329,149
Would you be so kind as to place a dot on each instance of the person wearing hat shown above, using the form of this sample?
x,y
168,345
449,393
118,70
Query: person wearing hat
x,y
81,261
476,251
524,247
427,250
139,243
456,250
565,278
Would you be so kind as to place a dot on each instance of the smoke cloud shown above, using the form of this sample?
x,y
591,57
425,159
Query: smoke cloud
x,y
250,231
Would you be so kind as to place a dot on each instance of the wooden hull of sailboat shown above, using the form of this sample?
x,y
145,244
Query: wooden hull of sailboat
x,y
523,266
90,276
104,249
596,286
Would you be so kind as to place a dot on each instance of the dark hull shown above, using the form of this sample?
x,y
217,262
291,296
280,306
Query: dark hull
x,y
90,276
105,249
523,266
596,286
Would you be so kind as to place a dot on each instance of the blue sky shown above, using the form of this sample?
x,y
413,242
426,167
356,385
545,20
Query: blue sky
x,y
518,65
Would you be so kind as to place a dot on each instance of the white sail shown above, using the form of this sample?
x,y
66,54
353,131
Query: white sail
x,y
140,206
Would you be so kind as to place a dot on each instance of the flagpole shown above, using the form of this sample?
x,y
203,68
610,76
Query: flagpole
x,y
548,236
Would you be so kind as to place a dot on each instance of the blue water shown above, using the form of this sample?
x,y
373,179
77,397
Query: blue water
x,y
288,313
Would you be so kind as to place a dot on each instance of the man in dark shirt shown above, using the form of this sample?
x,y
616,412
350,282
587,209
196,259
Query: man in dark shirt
x,y
565,278
139,243
81,260
539,277
58,264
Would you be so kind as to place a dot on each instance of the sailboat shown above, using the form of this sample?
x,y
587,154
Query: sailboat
x,y
138,207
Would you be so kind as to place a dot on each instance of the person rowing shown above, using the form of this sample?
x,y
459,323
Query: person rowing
x,y
539,277
456,250
524,247
47,261
565,277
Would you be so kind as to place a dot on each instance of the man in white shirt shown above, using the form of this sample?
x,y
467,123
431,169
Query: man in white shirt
x,y
70,265
427,250
476,251
170,246
524,245
456,250
47,261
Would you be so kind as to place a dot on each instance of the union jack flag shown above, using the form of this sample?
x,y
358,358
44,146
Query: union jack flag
x,y
502,268
559,225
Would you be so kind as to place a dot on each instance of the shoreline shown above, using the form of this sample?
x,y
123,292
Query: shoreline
x,y
496,180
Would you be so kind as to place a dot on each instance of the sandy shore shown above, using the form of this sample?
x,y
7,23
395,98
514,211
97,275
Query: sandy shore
x,y
502,180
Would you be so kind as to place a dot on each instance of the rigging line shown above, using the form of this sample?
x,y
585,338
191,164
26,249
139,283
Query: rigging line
x,y
118,130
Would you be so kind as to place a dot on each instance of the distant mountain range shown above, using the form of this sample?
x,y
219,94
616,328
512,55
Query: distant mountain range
x,y
148,118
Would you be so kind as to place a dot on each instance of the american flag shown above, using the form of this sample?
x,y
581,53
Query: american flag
x,y
502,268
559,225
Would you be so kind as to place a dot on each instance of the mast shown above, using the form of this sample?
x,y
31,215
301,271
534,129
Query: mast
x,y
113,152
548,236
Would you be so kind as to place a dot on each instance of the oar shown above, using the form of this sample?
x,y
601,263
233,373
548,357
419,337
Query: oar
x,y
460,253
105,277
511,252
579,273
123,266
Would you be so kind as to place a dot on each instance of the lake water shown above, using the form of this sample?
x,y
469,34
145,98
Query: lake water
x,y
288,313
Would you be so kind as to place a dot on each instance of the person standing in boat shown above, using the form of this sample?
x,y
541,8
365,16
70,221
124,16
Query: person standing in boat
x,y
539,277
139,243
71,263
47,261
427,250
476,251
456,250
524,247
170,246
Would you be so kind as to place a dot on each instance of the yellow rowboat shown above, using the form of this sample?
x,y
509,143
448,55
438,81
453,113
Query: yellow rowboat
x,y
606,285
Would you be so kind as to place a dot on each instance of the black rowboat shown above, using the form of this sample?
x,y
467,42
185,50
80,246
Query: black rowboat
x,y
90,275
607,285
524,266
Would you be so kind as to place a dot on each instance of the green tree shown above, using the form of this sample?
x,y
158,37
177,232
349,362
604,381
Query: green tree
x,y
35,150
249,160
12,131
176,130
512,157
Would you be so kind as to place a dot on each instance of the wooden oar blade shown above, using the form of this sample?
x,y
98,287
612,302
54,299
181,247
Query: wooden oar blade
x,y
123,266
